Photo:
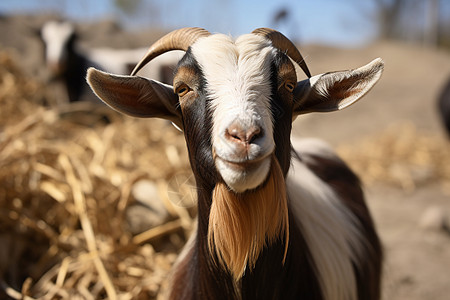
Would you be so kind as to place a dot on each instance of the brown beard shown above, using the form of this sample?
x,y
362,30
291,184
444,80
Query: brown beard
x,y
241,225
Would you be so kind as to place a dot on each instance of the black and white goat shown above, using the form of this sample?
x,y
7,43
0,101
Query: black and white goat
x,y
275,221
68,62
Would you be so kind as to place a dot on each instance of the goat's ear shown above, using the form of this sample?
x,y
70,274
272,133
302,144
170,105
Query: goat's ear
x,y
135,96
335,90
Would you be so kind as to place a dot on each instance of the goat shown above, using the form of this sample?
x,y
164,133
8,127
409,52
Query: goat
x,y
275,221
444,106
68,62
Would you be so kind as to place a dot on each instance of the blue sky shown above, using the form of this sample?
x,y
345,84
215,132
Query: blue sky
x,y
343,22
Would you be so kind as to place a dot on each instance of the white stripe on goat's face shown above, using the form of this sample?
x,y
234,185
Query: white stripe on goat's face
x,y
239,86
56,35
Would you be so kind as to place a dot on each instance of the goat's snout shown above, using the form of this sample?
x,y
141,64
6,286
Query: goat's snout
x,y
242,136
242,154
243,141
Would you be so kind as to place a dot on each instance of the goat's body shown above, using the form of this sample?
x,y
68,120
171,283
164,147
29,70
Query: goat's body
x,y
76,87
334,252
122,61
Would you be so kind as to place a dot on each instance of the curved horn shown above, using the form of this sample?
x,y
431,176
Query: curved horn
x,y
284,44
180,39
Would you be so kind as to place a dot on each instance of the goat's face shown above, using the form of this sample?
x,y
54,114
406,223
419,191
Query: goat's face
x,y
235,100
238,84
58,37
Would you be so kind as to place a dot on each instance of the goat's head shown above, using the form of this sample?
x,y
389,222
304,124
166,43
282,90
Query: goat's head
x,y
59,39
235,100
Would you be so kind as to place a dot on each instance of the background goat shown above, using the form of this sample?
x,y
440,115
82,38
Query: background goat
x,y
274,221
68,62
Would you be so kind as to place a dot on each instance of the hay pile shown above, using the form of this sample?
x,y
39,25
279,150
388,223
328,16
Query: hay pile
x,y
65,185
401,156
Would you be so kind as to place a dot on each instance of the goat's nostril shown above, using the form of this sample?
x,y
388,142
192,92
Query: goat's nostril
x,y
236,137
253,134
236,133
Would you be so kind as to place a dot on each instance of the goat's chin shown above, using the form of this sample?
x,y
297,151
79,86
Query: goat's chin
x,y
241,177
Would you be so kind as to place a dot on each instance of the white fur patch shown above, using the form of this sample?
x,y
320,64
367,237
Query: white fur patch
x,y
56,35
330,230
238,77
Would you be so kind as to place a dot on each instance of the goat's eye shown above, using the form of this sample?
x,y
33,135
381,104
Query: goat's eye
x,y
182,90
290,86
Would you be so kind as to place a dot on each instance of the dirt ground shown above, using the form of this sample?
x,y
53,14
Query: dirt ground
x,y
417,263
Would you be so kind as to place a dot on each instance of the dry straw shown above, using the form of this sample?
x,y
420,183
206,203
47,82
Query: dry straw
x,y
65,184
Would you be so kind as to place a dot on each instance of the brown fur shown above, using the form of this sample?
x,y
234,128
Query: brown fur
x,y
241,225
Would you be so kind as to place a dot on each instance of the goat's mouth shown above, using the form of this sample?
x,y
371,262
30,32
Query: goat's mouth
x,y
244,175
243,165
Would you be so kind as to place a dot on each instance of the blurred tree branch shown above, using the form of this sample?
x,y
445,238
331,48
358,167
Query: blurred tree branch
x,y
388,15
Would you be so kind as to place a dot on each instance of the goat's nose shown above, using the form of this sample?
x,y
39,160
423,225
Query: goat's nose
x,y
236,133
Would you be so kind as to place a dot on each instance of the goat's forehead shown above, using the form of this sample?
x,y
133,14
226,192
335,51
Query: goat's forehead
x,y
238,69
247,54
238,72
